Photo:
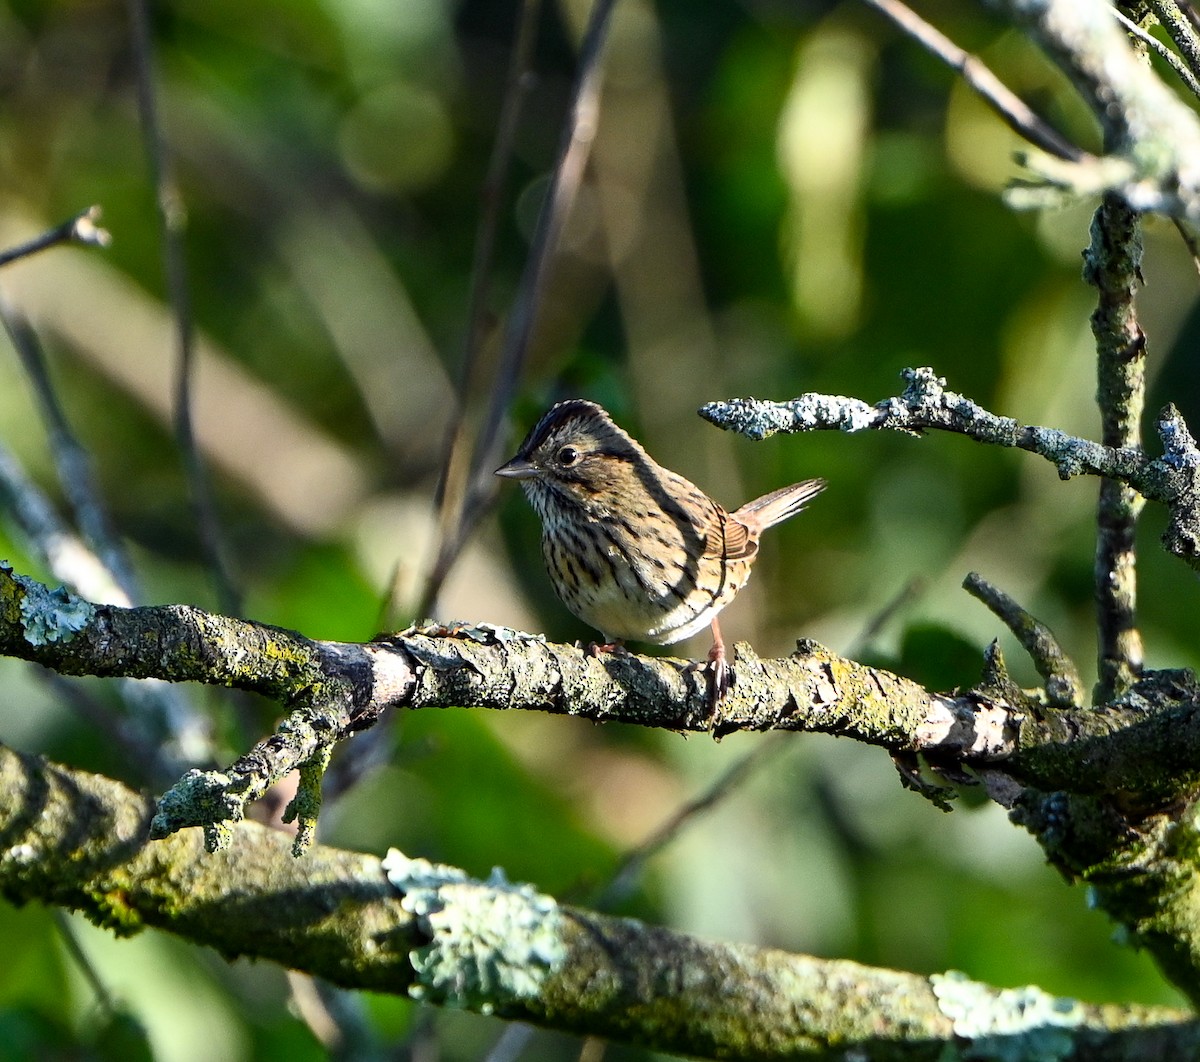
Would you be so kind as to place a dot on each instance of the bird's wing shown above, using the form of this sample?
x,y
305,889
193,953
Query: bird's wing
x,y
740,542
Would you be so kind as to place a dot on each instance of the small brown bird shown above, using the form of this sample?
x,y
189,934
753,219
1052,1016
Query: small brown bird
x,y
634,549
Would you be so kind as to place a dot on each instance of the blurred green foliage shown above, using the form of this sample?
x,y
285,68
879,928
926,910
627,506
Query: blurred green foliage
x,y
782,198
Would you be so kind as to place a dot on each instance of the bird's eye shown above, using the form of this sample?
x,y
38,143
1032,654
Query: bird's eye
x,y
567,456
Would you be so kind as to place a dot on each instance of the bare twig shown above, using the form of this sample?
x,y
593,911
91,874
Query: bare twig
x,y
72,461
574,150
66,932
156,711
624,877
903,597
1112,265
1064,688
1178,65
82,228
49,539
335,1017
1006,103
1189,241
1181,31
171,218
456,477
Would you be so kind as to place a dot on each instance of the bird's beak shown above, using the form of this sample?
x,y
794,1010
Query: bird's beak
x,y
517,468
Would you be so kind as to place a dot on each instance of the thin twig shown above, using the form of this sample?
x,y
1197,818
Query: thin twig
x,y
171,218
1180,29
128,733
1189,241
1064,687
623,879
82,228
455,477
903,597
1006,103
574,150
71,459
66,932
515,1038
512,1042
1173,60
336,1017
49,539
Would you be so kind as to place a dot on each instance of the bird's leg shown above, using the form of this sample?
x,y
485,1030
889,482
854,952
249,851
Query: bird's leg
x,y
718,669
617,645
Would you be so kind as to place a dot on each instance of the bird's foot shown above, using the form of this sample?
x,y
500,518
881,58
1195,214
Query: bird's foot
x,y
719,680
596,648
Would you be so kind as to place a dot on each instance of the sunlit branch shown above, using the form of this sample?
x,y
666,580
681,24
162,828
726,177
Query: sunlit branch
x,y
1172,479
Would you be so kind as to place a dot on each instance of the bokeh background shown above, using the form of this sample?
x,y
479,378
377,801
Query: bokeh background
x,y
782,197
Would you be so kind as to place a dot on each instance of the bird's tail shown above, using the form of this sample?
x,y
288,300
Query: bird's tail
x,y
777,506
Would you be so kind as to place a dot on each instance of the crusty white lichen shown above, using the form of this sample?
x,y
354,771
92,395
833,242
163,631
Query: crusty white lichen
x,y
490,942
1017,1024
51,615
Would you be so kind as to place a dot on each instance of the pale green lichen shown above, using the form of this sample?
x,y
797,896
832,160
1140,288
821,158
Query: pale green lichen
x,y
490,942
51,615
1010,1025
305,806
199,798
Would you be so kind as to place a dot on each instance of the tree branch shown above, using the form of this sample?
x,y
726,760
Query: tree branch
x,y
1100,787
1152,136
1173,479
1064,688
1181,31
78,840
1181,70
1015,112
172,219
81,228
1112,265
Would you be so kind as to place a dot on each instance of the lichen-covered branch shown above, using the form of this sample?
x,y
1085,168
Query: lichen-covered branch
x,y
1124,767
1172,479
1152,137
334,689
1112,265
78,841
1064,688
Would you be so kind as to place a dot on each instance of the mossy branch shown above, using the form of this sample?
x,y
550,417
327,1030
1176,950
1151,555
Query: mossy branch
x,y
1121,770
77,840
